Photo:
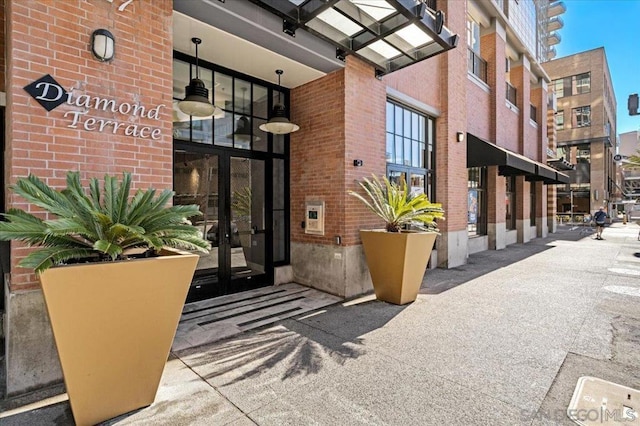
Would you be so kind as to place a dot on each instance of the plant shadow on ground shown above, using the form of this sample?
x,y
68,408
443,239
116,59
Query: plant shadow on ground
x,y
437,281
294,347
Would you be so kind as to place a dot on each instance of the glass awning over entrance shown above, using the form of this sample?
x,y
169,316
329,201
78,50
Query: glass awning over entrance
x,y
388,34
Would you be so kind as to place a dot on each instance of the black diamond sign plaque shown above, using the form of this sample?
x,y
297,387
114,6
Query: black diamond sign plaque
x,y
48,92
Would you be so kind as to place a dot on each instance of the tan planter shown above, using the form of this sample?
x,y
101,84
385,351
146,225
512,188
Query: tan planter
x,y
113,324
397,262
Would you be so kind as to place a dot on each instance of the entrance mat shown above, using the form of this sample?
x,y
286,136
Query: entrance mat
x,y
599,402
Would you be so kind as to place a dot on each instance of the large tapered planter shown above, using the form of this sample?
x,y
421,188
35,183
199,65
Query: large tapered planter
x,y
397,262
113,324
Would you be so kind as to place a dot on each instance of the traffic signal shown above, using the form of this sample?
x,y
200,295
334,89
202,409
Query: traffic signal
x,y
632,104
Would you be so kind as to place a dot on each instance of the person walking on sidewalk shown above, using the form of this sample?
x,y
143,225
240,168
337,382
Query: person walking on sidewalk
x,y
599,217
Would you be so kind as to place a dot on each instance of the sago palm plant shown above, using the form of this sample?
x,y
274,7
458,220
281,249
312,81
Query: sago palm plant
x,y
97,226
397,206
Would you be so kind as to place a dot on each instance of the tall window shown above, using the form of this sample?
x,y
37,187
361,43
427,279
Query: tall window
x,y
510,203
581,83
477,201
410,154
473,35
581,116
560,120
558,87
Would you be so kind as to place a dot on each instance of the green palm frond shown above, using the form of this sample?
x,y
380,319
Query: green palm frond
x,y
397,206
46,257
97,224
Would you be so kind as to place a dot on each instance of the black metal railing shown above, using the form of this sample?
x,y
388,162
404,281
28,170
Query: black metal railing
x,y
511,93
534,113
477,66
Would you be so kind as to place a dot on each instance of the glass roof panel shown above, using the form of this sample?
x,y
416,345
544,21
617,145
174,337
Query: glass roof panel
x,y
377,9
339,22
414,35
384,49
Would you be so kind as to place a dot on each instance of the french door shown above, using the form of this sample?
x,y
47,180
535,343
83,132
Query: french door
x,y
231,193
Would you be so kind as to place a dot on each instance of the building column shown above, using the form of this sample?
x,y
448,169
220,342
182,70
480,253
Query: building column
x,y
451,155
527,143
539,99
496,210
493,45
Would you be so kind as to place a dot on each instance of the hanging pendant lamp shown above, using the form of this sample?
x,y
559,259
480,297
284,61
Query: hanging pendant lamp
x,y
279,124
196,102
243,125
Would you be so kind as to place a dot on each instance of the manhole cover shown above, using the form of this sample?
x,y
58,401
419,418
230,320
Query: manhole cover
x,y
598,402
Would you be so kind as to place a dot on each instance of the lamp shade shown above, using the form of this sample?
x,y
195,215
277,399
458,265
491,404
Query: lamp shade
x,y
102,45
279,124
196,102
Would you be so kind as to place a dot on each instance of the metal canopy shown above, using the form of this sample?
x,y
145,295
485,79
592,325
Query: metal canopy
x,y
561,164
482,153
388,34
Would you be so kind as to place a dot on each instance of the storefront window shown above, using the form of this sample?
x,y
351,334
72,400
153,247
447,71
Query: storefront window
x,y
476,201
510,203
409,148
532,215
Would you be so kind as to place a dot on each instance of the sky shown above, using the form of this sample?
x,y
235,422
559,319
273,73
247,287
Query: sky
x,y
614,24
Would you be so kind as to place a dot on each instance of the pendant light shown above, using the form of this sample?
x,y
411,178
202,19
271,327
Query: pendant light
x,y
196,102
243,126
279,124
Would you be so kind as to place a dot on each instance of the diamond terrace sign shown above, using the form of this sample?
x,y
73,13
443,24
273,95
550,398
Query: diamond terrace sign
x,y
50,94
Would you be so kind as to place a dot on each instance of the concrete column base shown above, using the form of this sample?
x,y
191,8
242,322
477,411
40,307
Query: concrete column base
x,y
31,357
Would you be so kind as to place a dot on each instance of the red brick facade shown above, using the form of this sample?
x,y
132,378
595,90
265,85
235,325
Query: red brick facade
x,y
45,37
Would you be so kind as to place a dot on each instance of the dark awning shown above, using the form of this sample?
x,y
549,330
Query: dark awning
x,y
543,173
548,175
482,153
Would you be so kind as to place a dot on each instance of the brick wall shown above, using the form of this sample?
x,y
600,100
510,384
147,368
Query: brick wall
x,y
539,100
47,37
420,81
2,46
317,154
365,139
479,117
595,62
451,156
350,124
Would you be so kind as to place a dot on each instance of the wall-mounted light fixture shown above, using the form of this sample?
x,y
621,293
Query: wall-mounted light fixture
x,y
459,136
196,102
102,45
279,124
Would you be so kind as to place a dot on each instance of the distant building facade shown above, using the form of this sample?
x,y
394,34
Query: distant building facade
x,y
629,178
586,130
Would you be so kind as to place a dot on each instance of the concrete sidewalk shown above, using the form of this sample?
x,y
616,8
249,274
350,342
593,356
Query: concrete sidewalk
x,y
499,341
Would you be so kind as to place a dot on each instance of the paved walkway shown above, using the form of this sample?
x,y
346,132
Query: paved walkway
x,y
499,341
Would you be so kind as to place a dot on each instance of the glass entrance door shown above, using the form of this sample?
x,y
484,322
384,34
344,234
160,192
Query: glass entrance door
x,y
230,192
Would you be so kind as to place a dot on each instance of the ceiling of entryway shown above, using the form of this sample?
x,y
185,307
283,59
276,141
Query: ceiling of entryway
x,y
230,51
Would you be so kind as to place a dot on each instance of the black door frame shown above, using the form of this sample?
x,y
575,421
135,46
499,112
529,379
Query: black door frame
x,y
207,283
